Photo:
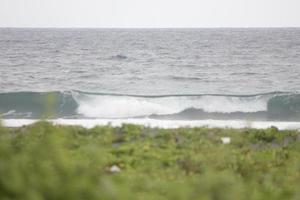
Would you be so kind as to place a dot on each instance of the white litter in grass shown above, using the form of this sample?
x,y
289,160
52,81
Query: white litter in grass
x,y
114,169
226,140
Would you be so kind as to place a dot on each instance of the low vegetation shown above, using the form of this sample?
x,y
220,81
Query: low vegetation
x,y
43,161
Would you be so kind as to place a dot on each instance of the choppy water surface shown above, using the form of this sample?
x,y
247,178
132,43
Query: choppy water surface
x,y
182,74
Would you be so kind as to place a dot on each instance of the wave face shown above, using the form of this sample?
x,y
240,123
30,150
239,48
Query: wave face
x,y
277,106
37,105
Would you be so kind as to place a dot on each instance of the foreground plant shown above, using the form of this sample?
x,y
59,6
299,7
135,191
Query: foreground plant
x,y
43,161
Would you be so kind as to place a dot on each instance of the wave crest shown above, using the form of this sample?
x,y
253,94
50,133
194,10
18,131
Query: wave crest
x,y
78,104
105,106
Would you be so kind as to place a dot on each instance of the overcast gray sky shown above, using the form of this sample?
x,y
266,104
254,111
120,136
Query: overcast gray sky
x,y
149,13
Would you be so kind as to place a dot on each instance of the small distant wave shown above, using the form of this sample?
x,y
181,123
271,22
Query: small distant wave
x,y
278,106
185,78
119,57
246,73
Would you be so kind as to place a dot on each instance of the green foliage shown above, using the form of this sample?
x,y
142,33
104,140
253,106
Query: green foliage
x,y
50,100
43,161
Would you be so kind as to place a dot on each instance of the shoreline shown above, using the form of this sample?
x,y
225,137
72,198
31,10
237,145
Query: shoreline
x,y
167,124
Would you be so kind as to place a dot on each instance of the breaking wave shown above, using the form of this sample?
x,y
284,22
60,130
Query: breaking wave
x,y
280,106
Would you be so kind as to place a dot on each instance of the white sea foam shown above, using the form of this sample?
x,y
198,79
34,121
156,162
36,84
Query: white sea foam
x,y
89,123
105,106
121,107
7,113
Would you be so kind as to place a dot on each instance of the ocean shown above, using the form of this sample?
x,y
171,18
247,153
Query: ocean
x,y
168,78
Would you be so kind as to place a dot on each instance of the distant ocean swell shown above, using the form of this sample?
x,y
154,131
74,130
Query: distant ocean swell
x,y
275,106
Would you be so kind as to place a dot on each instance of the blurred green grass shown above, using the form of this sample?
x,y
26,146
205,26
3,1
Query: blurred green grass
x,y
43,161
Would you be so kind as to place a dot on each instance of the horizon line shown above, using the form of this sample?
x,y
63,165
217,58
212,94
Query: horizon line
x,y
83,27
